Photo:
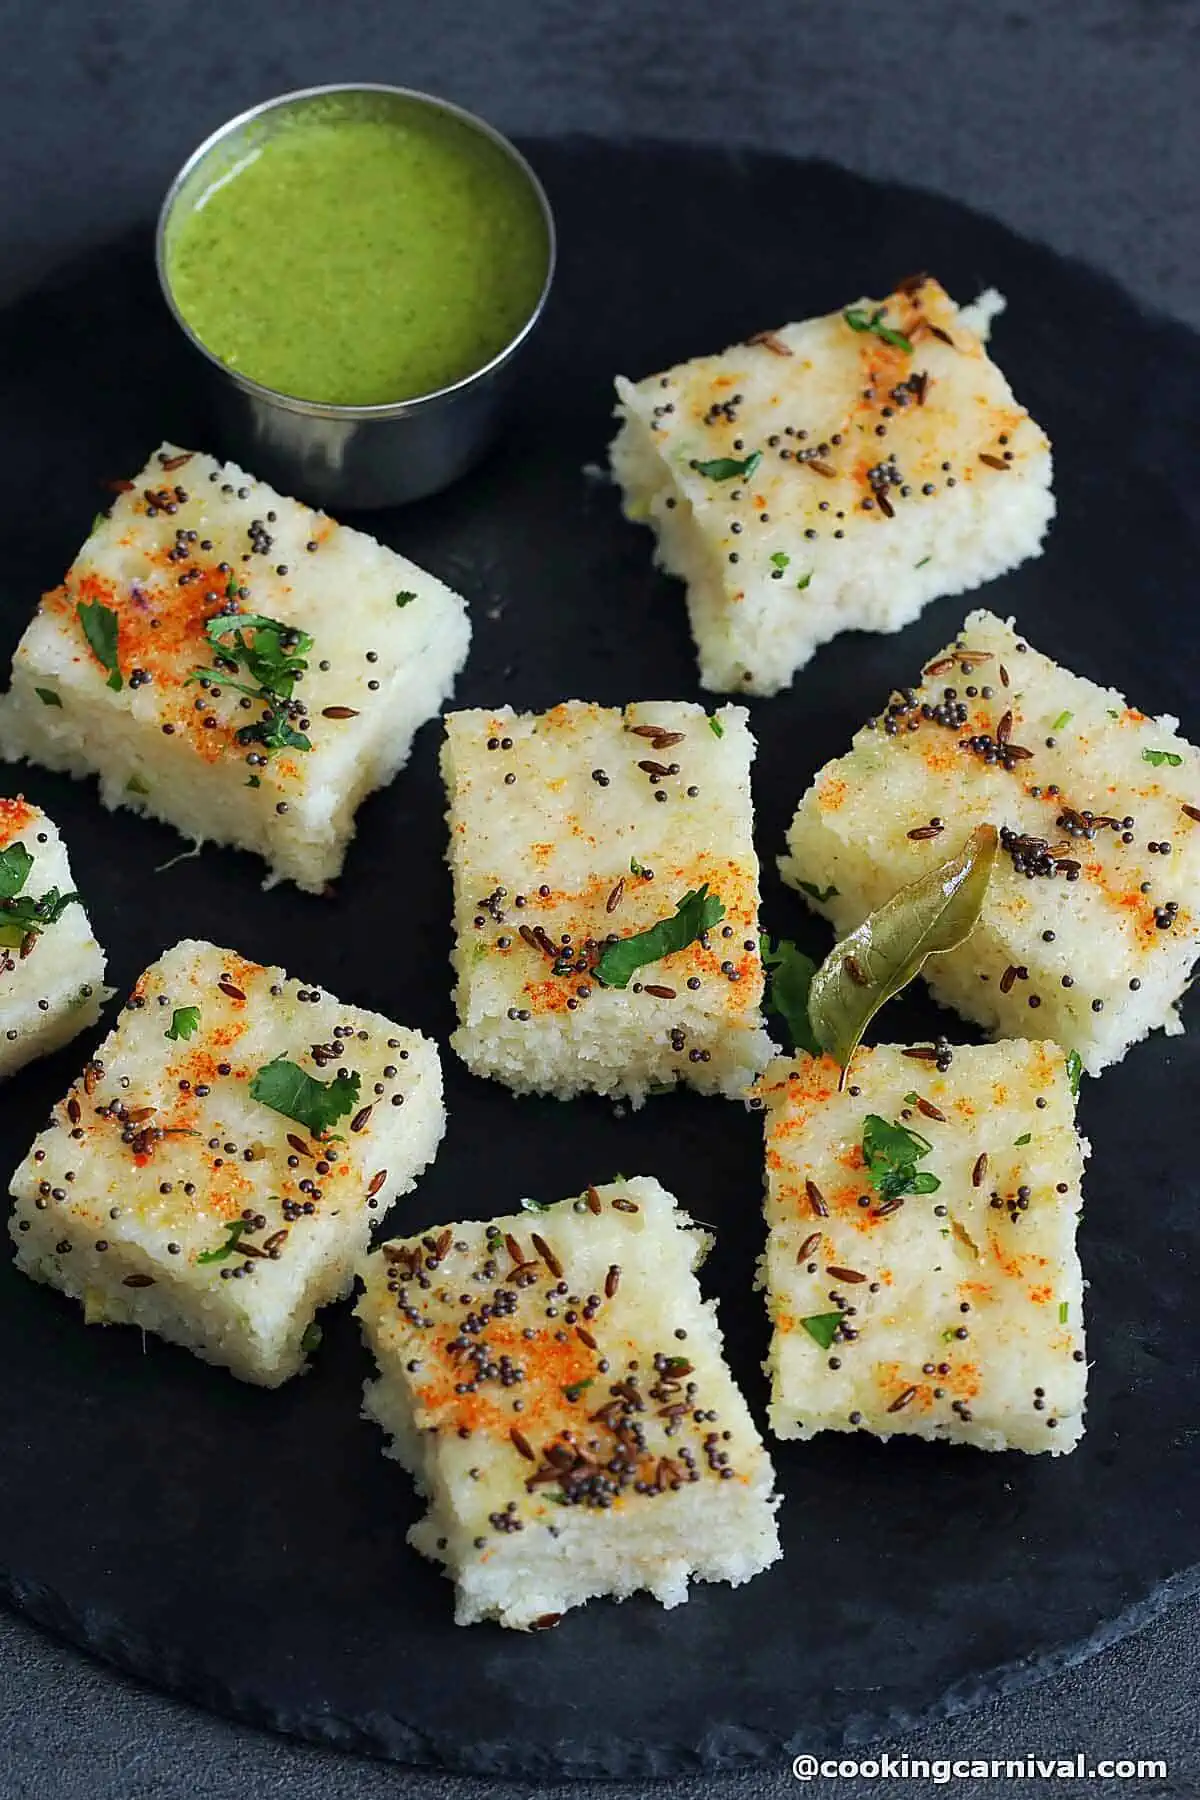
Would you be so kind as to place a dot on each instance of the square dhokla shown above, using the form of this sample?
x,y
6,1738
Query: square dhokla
x,y
556,1386
953,1313
51,967
822,478
166,1194
1089,930
586,822
192,540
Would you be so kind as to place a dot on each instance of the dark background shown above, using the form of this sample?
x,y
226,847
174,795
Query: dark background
x,y
1078,123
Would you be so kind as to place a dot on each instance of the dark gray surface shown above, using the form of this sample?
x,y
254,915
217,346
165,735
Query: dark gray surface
x,y
1071,123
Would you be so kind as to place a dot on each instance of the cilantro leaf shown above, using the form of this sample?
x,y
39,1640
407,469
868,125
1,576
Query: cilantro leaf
x,y
695,914
923,561
1159,757
15,864
823,1327
1074,1070
728,468
575,1388
311,1339
804,581
892,1153
405,597
780,559
236,1229
48,697
102,629
275,654
716,727
185,1022
859,320
317,1105
536,1206
1062,721
1064,1309
1026,1137
791,975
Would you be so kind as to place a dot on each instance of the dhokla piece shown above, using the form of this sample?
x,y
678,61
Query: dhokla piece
x,y
572,829
213,1174
832,476
555,1384
51,967
921,1270
1089,930
234,663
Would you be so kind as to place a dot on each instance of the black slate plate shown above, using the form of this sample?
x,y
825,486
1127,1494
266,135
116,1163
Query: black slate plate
x,y
246,1548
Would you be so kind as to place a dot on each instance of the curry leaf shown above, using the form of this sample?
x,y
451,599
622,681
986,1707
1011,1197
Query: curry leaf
x,y
929,916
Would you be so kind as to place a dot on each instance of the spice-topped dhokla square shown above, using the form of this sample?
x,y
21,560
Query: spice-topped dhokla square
x,y
555,1383
214,1173
234,663
921,1270
51,967
1088,933
605,898
834,475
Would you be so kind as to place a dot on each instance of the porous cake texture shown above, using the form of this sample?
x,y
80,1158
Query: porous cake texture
x,y
833,475
213,1174
51,967
234,663
585,826
921,1271
1089,932
555,1384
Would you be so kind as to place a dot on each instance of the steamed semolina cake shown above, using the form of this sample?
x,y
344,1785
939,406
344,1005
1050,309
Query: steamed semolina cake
x,y
234,663
921,1270
1089,930
51,967
832,476
577,828
554,1383
213,1174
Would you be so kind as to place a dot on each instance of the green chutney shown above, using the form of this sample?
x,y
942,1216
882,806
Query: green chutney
x,y
359,253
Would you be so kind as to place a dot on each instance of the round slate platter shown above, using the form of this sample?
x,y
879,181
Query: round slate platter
x,y
247,1548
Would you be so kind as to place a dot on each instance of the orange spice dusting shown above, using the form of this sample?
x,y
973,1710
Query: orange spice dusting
x,y
16,816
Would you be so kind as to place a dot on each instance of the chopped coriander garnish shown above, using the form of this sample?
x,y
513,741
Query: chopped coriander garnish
x,y
791,974
1074,1069
823,1327
236,1228
716,727
101,518
727,468
21,916
135,785
185,1022
274,657
922,562
892,1153
405,597
231,588
102,629
536,1206
1063,719
312,1337
780,559
635,867
911,1099
1113,713
1026,1137
575,1388
1064,1310
254,781
15,864
1159,757
820,895
858,320
290,1090
804,580
48,697
695,914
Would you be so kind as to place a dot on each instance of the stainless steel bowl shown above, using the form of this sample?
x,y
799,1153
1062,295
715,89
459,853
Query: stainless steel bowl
x,y
349,456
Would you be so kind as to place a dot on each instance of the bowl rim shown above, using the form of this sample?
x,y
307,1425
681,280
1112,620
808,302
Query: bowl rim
x,y
325,409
